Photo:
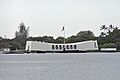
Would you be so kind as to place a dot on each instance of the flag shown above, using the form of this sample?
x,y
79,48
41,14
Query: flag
x,y
63,28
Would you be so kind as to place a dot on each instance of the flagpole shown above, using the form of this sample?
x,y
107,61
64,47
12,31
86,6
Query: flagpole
x,y
64,34
64,37
63,29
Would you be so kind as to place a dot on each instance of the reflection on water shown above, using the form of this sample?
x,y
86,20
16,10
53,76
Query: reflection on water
x,y
85,66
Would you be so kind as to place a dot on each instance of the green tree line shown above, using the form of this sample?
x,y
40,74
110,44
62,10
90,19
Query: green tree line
x,y
109,37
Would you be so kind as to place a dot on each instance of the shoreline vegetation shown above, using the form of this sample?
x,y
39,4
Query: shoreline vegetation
x,y
108,38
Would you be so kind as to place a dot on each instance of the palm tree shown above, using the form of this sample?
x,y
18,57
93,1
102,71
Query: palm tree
x,y
103,27
102,34
110,29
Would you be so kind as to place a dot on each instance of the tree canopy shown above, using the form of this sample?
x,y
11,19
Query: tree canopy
x,y
109,37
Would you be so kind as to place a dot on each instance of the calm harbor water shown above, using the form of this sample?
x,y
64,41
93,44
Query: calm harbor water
x,y
60,66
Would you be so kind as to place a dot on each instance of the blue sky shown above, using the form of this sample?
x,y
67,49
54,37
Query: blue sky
x,y
47,17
